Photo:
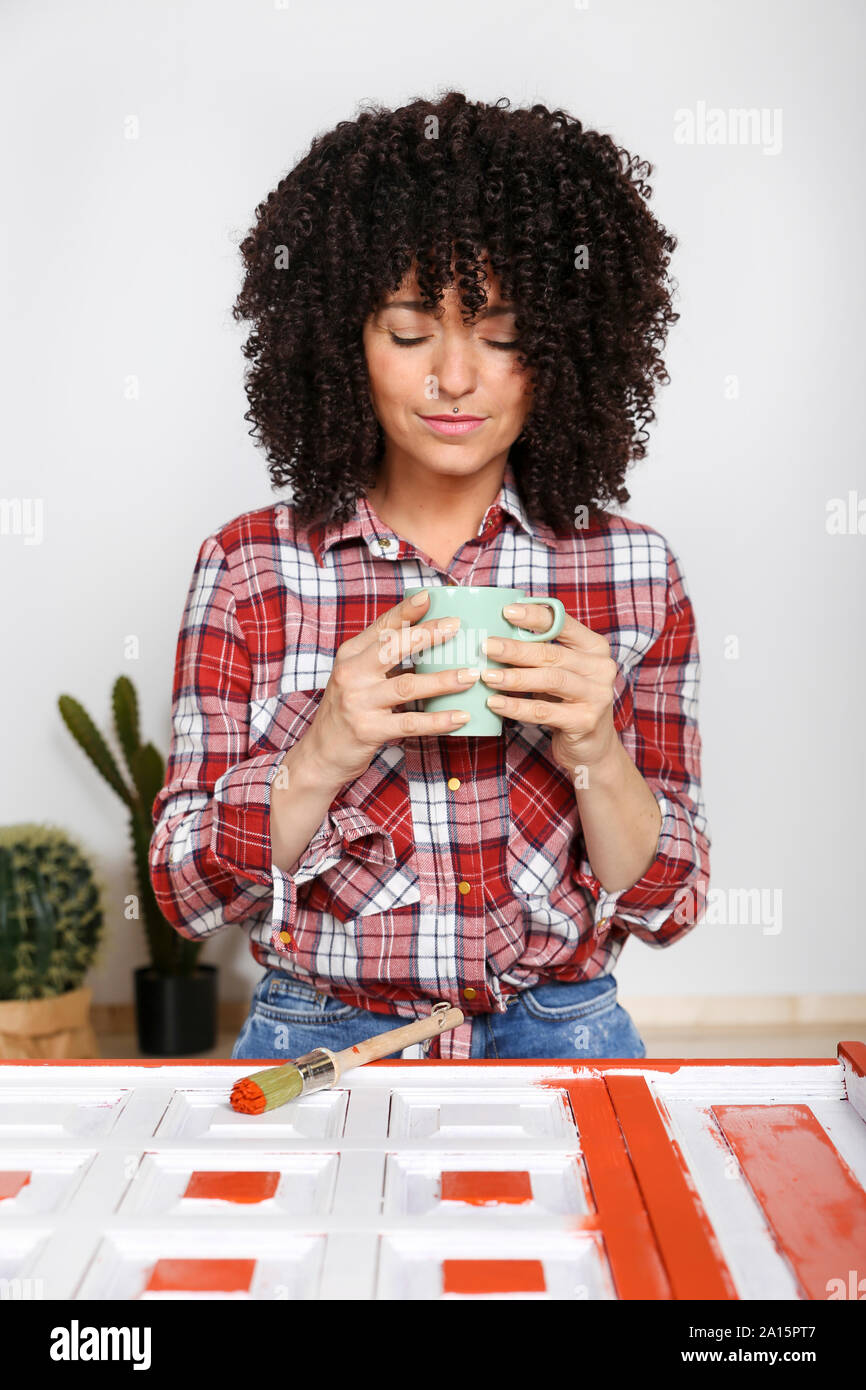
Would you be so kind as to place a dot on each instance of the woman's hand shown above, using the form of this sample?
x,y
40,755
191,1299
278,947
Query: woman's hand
x,y
575,677
356,714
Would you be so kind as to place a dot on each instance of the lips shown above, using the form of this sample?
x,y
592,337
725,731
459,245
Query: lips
x,y
453,424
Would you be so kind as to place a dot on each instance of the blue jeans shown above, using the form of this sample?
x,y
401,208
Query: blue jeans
x,y
288,1018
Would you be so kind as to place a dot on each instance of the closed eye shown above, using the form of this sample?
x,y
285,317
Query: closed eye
x,y
410,342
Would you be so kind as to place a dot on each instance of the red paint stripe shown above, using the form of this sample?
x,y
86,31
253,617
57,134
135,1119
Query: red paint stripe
x,y
635,1262
201,1276
855,1054
689,1247
812,1200
486,1189
493,1276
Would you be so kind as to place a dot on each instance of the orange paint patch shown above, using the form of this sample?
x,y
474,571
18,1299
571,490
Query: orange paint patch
x,y
200,1276
232,1186
486,1189
812,1200
493,1276
11,1183
354,1049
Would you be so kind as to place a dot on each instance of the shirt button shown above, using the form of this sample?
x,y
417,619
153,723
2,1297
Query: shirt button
x,y
285,936
463,886
453,783
388,545
469,993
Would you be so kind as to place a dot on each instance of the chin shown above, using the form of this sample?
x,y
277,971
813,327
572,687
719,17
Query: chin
x,y
452,462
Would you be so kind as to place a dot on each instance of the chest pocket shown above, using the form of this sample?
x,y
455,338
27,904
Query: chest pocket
x,y
367,863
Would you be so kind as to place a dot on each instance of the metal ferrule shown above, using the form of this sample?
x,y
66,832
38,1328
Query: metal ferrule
x,y
318,1070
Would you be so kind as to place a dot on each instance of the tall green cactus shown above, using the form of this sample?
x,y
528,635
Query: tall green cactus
x,y
51,912
170,953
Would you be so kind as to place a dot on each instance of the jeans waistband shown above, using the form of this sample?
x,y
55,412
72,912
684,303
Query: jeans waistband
x,y
587,988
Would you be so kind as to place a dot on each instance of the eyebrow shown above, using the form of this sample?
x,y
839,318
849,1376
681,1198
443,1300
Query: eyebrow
x,y
418,305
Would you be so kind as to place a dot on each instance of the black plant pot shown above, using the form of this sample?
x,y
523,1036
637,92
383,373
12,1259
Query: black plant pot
x,y
176,1014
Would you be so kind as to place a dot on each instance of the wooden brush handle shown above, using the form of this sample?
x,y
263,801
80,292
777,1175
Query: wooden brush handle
x,y
383,1044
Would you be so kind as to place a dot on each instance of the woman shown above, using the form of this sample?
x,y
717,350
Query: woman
x,y
452,260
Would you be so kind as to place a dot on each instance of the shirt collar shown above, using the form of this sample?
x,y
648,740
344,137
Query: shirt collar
x,y
366,526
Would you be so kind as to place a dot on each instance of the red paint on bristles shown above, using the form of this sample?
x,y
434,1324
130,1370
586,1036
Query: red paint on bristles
x,y
247,1097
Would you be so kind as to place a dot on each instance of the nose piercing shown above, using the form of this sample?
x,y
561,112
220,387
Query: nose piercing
x,y
455,409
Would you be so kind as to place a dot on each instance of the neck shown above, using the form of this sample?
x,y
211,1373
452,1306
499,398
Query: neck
x,y
410,496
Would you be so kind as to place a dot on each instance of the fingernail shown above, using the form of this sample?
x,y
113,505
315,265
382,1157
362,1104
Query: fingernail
x,y
514,610
491,644
495,701
420,598
468,673
447,624
460,716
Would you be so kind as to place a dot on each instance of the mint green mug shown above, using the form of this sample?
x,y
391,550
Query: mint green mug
x,y
479,608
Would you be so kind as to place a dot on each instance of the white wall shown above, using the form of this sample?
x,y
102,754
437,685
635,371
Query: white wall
x,y
123,263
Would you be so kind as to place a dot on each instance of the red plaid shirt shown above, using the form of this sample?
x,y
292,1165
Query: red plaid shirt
x,y
373,914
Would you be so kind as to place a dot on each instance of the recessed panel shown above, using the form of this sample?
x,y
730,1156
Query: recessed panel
x,y
207,1116
497,1114
539,1266
76,1112
449,1187
173,1264
35,1181
231,1186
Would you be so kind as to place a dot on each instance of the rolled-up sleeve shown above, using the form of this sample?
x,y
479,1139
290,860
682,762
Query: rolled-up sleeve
x,y
663,739
210,853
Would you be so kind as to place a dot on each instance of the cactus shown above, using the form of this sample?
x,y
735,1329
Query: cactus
x,y
170,953
51,913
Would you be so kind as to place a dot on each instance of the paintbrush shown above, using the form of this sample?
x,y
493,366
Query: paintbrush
x,y
316,1070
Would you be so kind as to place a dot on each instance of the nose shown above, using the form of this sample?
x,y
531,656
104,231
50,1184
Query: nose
x,y
454,365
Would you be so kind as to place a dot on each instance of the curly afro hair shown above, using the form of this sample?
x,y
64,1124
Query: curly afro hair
x,y
560,213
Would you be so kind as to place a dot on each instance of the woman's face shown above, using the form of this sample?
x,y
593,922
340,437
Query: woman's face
x,y
423,365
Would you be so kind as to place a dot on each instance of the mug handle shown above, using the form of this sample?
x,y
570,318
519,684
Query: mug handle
x,y
558,619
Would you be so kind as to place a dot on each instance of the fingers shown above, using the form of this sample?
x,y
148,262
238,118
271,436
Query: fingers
x,y
411,686
547,655
526,711
409,723
393,620
378,726
394,645
538,617
567,683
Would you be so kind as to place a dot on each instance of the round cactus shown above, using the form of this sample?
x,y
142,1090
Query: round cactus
x,y
51,914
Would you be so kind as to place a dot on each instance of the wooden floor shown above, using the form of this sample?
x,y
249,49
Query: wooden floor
x,y
748,1041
